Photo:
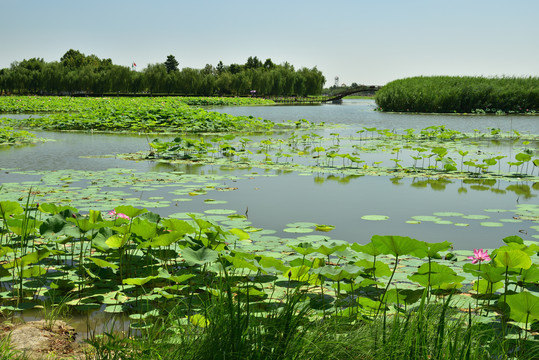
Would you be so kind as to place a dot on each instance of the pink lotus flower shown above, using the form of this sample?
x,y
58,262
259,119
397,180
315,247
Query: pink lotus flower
x,y
479,256
120,215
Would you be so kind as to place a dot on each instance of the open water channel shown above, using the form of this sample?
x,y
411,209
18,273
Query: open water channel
x,y
273,198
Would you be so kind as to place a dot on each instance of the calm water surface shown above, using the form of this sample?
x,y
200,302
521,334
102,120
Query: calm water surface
x,y
273,202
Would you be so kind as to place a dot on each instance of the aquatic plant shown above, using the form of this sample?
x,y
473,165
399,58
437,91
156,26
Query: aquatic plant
x,y
465,94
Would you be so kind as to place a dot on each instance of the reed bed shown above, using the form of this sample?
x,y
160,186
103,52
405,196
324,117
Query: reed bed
x,y
460,94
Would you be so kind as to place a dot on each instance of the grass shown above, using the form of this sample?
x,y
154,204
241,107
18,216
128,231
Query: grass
x,y
233,330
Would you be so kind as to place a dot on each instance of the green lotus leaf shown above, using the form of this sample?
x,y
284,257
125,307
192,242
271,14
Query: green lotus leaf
x,y
426,218
10,208
324,228
301,224
178,226
438,274
486,271
298,273
139,281
435,248
530,275
370,306
443,222
375,217
102,263
486,287
370,248
476,217
403,296
335,273
33,272
491,224
200,256
242,235
330,250
115,309
213,201
397,245
524,307
298,230
512,258
117,241
378,269
199,320
448,213
28,259
143,228
129,210
220,211
513,239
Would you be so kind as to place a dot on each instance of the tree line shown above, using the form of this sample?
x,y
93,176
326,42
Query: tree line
x,y
77,73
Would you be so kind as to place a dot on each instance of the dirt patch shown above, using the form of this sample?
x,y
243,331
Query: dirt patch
x,y
43,340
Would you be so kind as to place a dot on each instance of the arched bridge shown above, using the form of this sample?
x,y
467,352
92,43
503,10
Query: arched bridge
x,y
362,88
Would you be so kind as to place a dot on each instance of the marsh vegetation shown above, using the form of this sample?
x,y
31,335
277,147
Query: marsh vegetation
x,y
215,284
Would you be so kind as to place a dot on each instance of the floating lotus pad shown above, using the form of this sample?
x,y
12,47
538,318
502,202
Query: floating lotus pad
x,y
313,238
213,201
495,210
375,217
216,218
413,222
184,215
461,224
298,230
301,224
236,223
426,218
443,222
491,224
448,213
510,220
266,232
324,228
220,211
476,217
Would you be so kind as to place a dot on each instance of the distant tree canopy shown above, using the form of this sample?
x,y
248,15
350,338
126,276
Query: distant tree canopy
x,y
171,64
80,73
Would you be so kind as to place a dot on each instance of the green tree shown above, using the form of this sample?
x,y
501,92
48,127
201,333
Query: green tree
x,y
224,83
154,77
253,63
72,59
220,68
269,65
234,68
171,64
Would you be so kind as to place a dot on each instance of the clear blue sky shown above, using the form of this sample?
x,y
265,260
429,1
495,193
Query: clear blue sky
x,y
368,42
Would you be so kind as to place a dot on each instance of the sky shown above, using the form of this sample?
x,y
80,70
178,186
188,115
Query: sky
x,y
366,42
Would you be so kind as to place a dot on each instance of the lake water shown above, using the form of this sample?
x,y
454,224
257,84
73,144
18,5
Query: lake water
x,y
341,200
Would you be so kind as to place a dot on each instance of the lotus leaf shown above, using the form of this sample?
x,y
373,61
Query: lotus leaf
x,y
524,307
